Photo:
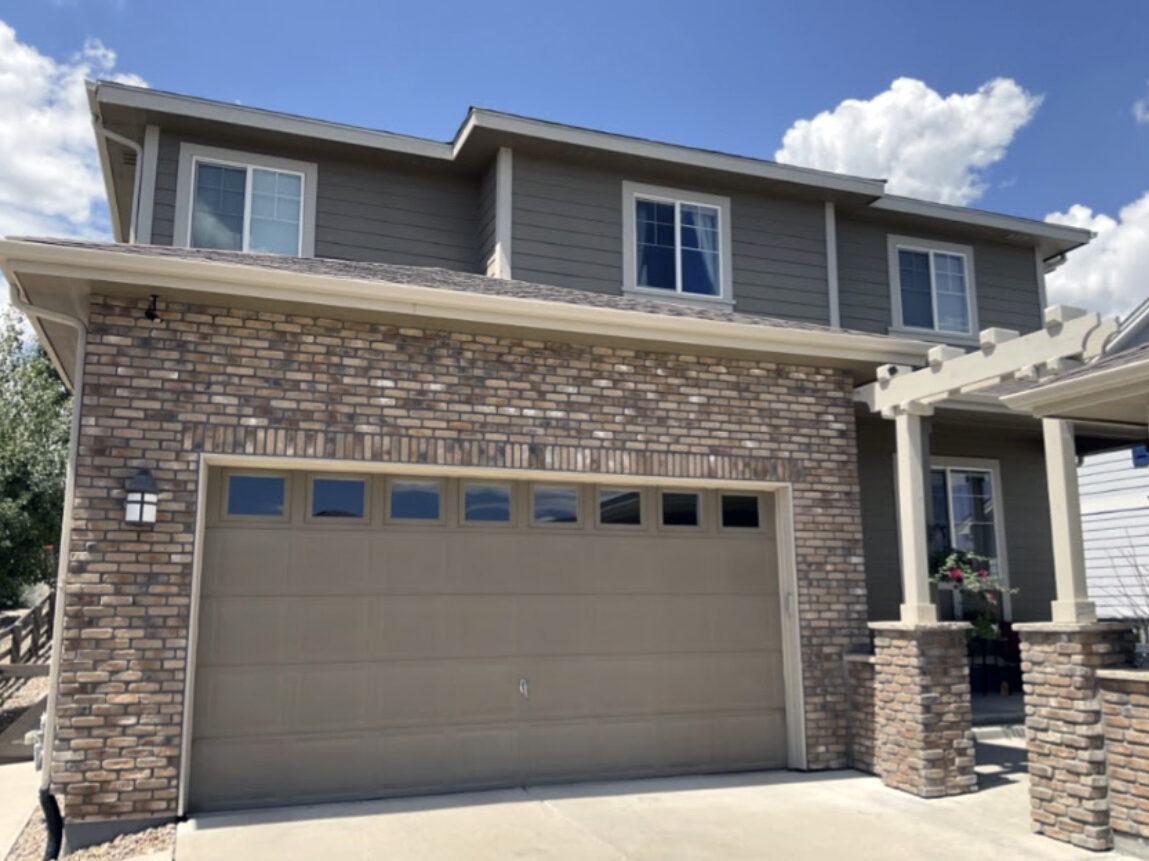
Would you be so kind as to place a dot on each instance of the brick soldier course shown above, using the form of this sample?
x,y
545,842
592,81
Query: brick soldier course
x,y
923,722
1065,738
223,380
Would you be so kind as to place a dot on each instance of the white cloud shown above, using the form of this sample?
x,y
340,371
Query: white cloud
x,y
923,144
50,180
1111,273
1141,107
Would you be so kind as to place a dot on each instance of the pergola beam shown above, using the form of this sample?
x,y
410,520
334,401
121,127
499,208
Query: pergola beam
x,y
905,395
1003,354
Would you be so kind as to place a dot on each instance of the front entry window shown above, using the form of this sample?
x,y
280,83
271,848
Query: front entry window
x,y
963,512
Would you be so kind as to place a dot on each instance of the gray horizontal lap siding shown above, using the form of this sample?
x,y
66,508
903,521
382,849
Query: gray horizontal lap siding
x,y
567,231
1021,461
1006,278
375,212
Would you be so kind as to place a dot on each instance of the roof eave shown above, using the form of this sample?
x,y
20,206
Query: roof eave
x,y
386,297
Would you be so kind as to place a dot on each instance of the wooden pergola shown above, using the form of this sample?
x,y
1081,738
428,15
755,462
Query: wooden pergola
x,y
1069,337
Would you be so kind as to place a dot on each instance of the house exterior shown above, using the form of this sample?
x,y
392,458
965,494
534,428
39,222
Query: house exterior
x,y
530,456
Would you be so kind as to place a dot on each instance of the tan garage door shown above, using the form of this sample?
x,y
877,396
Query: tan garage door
x,y
369,636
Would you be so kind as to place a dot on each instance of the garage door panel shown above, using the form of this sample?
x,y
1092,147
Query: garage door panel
x,y
237,772
245,701
333,697
245,562
412,561
354,661
335,629
246,630
330,562
448,692
447,626
567,750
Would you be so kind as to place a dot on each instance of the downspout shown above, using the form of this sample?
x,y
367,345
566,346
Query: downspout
x,y
47,801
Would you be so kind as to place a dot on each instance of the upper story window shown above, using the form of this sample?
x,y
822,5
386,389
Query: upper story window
x,y
244,202
676,243
932,286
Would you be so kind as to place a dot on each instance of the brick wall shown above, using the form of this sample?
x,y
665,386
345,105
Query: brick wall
x,y
1125,715
1064,737
923,718
214,379
863,724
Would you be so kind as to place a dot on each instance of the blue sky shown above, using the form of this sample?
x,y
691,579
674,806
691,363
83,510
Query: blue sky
x,y
731,76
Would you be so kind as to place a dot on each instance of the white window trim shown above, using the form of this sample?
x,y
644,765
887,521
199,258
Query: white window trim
x,y
191,154
894,244
993,467
633,190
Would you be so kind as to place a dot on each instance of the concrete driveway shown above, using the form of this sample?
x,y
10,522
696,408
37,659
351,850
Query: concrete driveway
x,y
750,816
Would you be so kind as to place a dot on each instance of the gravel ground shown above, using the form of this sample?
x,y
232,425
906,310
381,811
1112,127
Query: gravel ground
x,y
30,845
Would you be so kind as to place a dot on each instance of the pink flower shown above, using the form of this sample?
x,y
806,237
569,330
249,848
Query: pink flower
x,y
955,574
982,573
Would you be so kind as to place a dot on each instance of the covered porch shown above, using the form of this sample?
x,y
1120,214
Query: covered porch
x,y
1004,483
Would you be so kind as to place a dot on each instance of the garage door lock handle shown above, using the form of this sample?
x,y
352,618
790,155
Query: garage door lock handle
x,y
525,687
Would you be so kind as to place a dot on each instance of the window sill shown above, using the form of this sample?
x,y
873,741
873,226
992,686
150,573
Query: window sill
x,y
696,301
935,337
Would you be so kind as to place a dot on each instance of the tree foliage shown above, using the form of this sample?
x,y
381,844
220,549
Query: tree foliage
x,y
35,411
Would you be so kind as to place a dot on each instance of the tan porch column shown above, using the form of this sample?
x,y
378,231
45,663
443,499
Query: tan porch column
x,y
1072,604
917,608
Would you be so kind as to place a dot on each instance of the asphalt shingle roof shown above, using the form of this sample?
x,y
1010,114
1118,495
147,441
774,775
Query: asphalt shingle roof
x,y
444,279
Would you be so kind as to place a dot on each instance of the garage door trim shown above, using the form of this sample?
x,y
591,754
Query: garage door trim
x,y
784,526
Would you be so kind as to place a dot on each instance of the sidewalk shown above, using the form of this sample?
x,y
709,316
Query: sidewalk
x,y
19,785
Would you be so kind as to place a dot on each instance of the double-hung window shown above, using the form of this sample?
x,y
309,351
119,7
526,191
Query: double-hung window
x,y
966,512
933,286
676,243
244,202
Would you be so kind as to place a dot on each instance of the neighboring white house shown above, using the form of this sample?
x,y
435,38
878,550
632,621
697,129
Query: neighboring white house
x,y
1114,488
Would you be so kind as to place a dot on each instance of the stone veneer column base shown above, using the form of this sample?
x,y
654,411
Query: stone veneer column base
x,y
1064,737
923,721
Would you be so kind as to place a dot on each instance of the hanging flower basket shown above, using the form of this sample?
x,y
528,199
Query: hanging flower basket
x,y
970,574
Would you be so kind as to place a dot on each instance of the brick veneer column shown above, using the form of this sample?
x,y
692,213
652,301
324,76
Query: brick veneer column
x,y
924,726
1125,715
1064,737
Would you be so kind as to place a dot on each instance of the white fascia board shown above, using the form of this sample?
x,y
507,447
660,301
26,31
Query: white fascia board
x,y
105,166
228,279
687,156
122,95
1083,390
1011,223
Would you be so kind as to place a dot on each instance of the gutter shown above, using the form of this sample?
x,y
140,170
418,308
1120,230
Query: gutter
x,y
48,732
1086,389
387,297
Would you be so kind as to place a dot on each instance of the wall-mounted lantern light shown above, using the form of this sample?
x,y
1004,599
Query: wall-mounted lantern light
x,y
141,498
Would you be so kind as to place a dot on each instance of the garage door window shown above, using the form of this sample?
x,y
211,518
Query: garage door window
x,y
619,507
739,511
416,500
554,505
681,509
487,503
344,498
256,496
